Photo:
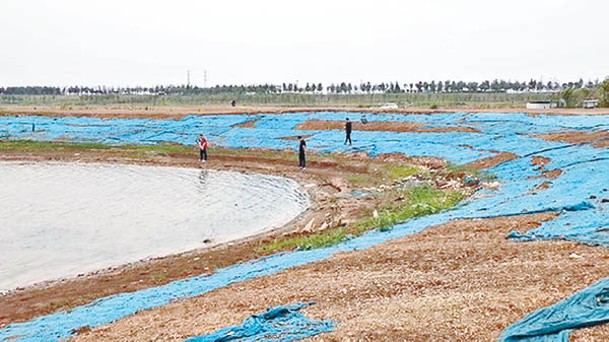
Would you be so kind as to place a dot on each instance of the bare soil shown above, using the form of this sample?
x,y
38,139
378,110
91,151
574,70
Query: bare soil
x,y
495,160
387,126
460,281
599,139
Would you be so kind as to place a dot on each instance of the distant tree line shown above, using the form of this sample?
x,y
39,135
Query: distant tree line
x,y
447,86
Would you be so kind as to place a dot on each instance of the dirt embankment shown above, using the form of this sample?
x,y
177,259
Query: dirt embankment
x,y
386,126
458,281
161,112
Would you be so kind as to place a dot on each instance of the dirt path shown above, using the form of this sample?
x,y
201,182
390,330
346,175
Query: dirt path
x,y
162,112
458,281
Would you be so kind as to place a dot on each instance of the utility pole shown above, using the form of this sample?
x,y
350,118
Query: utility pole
x,y
188,78
205,78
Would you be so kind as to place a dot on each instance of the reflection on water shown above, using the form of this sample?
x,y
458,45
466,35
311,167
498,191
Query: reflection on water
x,y
60,220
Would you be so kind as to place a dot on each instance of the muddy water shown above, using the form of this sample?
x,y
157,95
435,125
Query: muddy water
x,y
60,220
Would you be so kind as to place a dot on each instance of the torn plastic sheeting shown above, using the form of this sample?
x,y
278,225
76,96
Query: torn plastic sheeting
x,y
556,322
282,323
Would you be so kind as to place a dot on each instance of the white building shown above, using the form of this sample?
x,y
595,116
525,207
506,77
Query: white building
x,y
542,104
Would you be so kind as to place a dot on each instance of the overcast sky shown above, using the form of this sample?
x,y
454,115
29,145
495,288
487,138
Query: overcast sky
x,y
149,42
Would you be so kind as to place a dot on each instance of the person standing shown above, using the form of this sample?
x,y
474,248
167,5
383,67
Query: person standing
x,y
203,144
348,129
302,149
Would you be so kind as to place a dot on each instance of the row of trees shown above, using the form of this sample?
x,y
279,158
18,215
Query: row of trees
x,y
447,86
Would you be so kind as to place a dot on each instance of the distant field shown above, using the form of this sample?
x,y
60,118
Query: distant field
x,y
470,100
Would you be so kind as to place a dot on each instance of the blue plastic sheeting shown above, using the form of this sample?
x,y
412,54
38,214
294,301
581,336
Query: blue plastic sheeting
x,y
282,323
555,323
577,195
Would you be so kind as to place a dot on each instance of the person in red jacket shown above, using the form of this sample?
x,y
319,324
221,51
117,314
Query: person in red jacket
x,y
202,144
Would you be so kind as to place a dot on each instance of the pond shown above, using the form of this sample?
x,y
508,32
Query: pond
x,y
60,220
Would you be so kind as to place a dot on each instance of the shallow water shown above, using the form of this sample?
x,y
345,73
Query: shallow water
x,y
60,220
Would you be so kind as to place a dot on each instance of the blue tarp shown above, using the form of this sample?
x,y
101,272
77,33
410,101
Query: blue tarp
x,y
282,323
555,323
579,195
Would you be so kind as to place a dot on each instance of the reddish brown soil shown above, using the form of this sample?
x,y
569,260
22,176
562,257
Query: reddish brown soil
x,y
552,174
461,281
495,160
247,124
540,161
388,126
543,186
599,139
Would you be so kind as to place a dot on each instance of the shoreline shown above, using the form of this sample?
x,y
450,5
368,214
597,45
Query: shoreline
x,y
204,245
28,292
324,181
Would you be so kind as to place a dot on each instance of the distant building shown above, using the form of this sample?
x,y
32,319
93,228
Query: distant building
x,y
590,104
542,104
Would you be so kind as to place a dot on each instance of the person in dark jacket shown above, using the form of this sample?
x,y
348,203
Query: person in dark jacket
x,y
348,129
302,149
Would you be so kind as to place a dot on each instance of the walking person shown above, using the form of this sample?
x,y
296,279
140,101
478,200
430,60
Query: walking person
x,y
302,149
202,144
348,129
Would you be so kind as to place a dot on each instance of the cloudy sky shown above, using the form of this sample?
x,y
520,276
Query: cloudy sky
x,y
149,42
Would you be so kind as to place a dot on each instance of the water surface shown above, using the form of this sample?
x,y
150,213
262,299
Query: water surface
x,y
60,220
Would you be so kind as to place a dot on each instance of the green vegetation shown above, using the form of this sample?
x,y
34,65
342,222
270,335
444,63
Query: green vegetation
x,y
361,180
479,100
604,93
305,242
418,201
402,171
31,145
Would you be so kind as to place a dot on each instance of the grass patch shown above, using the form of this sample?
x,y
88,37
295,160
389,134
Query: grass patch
x,y
305,242
402,171
31,145
360,179
419,201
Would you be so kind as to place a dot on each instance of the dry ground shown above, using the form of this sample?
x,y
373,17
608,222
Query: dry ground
x,y
385,126
461,281
599,139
